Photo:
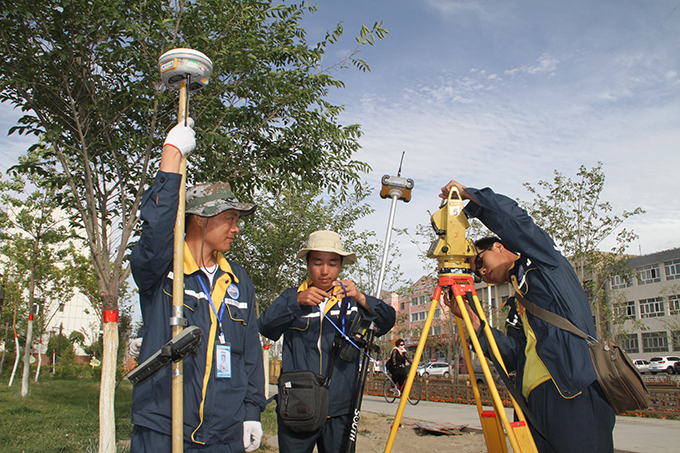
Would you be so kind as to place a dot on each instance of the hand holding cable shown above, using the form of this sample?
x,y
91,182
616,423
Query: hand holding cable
x,y
350,290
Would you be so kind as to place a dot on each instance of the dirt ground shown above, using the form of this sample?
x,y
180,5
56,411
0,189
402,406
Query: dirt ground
x,y
374,430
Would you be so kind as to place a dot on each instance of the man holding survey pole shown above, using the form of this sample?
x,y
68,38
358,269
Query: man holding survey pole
x,y
224,379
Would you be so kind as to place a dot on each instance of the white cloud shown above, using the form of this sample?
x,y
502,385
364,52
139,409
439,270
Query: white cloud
x,y
546,63
450,7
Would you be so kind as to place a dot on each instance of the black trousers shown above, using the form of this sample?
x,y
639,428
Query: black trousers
x,y
581,424
332,437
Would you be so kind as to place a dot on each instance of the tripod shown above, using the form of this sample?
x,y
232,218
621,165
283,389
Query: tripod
x,y
452,251
495,424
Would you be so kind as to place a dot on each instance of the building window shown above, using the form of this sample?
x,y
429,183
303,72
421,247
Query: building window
x,y
675,337
652,308
654,342
436,330
403,304
649,274
422,315
630,343
625,310
618,282
672,269
674,304
422,300
414,317
437,313
414,301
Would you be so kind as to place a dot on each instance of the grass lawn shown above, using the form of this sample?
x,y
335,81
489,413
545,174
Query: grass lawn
x,y
63,416
58,416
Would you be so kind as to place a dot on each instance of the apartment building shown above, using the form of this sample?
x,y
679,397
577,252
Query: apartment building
x,y
649,305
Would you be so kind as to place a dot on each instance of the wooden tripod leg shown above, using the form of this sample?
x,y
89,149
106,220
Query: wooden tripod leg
x,y
517,437
412,372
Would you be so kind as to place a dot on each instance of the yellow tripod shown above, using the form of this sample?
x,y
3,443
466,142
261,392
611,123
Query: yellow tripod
x,y
452,251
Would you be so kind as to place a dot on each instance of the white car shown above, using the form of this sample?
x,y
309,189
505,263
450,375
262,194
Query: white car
x,y
641,365
662,364
435,369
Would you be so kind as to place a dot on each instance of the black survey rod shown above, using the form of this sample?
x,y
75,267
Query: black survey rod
x,y
354,427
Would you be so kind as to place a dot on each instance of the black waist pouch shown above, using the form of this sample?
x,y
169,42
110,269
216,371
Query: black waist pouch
x,y
302,400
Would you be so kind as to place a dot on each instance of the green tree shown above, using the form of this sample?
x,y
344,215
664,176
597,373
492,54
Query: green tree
x,y
574,214
85,72
279,228
34,235
60,345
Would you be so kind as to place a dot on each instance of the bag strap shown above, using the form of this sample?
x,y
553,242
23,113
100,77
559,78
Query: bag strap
x,y
335,350
552,318
518,397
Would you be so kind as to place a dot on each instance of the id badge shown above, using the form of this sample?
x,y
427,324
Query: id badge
x,y
223,354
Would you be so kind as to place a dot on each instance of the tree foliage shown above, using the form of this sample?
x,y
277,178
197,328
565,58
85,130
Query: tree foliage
x,y
85,74
574,214
270,239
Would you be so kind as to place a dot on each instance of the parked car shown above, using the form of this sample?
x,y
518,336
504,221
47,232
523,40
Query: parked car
x,y
663,364
434,369
479,374
641,365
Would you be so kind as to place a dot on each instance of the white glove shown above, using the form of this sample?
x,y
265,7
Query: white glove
x,y
252,435
135,346
182,137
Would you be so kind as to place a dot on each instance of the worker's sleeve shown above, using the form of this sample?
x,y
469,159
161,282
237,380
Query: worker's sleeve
x,y
255,402
153,254
380,313
513,226
507,346
279,316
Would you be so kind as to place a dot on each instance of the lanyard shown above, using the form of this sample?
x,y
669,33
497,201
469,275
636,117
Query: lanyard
x,y
343,316
218,316
343,310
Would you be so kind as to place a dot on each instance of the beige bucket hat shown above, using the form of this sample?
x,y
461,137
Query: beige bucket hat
x,y
327,241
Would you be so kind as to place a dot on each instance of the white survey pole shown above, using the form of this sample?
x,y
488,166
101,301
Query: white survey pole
x,y
186,70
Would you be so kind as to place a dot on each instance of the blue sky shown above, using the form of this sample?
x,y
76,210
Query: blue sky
x,y
496,93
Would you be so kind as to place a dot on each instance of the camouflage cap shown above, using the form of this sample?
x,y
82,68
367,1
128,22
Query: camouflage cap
x,y
207,200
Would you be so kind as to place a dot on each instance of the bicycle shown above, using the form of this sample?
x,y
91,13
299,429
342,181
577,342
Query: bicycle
x,y
391,390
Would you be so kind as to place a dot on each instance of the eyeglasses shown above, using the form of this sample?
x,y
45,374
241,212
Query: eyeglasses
x,y
479,262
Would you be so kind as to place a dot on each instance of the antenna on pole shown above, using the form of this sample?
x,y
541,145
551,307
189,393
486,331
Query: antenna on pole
x,y
396,188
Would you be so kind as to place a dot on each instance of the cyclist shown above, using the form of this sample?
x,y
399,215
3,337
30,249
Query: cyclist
x,y
397,363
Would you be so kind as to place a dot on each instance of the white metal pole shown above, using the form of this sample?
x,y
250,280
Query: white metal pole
x,y
395,193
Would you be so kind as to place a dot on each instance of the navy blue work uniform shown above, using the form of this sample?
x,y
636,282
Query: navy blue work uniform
x,y
554,368
216,402
304,329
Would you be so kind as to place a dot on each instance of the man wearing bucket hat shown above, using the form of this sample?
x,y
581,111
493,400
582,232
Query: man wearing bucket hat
x,y
303,316
224,380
